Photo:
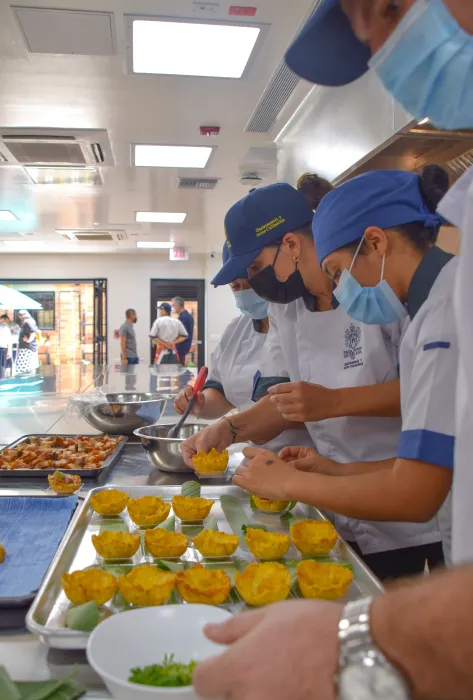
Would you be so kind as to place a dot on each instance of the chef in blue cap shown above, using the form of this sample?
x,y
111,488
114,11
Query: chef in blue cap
x,y
375,237
319,368
235,362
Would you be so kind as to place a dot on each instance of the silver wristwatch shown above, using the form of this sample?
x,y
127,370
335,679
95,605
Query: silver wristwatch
x,y
365,673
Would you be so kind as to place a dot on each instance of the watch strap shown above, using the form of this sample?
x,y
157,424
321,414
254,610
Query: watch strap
x,y
354,632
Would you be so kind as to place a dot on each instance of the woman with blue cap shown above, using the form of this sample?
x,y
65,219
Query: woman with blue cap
x,y
349,370
235,362
375,237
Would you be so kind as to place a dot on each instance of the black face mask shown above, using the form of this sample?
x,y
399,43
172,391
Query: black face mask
x,y
267,285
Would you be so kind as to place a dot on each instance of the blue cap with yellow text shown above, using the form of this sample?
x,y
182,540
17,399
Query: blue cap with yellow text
x,y
382,198
226,256
265,215
327,51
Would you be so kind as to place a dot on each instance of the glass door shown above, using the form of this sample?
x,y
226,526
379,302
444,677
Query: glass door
x,y
100,354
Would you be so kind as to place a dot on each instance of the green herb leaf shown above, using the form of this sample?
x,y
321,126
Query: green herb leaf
x,y
83,618
191,489
169,524
169,674
8,690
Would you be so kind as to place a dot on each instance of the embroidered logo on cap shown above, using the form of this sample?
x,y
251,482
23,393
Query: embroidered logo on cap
x,y
277,221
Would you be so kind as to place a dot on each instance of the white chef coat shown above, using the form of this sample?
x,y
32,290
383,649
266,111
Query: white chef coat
x,y
232,368
457,207
334,350
429,362
168,329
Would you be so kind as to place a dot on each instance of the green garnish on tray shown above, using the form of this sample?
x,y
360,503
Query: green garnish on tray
x,y
169,674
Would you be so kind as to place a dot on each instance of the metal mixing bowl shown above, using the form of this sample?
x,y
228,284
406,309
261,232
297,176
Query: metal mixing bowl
x,y
123,413
163,452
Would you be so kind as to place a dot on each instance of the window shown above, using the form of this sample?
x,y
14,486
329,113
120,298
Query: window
x,y
44,317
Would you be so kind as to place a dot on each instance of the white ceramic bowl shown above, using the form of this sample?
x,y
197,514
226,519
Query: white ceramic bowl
x,y
142,637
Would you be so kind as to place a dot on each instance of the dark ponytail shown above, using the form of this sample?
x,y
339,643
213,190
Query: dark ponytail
x,y
433,185
313,187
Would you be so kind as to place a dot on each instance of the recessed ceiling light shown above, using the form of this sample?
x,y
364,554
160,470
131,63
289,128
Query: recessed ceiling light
x,y
160,217
45,175
25,245
7,215
155,244
423,121
192,48
172,156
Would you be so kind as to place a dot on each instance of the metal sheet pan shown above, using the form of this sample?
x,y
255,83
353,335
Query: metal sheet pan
x,y
41,473
46,616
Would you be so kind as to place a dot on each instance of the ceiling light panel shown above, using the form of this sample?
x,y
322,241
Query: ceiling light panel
x,y
160,217
64,176
7,215
25,246
155,244
172,156
191,48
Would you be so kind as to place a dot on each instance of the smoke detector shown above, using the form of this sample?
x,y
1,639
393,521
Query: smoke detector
x,y
251,180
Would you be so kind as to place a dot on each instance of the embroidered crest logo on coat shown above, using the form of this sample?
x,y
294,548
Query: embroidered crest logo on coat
x,y
353,353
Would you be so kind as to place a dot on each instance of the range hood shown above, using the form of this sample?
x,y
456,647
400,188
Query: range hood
x,y
422,145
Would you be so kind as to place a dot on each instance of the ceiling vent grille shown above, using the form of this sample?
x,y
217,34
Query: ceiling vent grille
x,y
197,183
94,236
55,147
458,166
274,98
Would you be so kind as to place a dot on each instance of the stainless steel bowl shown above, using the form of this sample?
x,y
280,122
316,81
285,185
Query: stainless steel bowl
x,y
163,452
122,413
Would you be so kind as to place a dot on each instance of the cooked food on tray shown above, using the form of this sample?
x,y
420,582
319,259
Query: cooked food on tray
x,y
211,543
147,585
201,585
268,506
89,584
109,502
111,544
261,584
164,544
191,508
267,545
323,580
314,537
64,483
2,553
148,510
58,452
213,461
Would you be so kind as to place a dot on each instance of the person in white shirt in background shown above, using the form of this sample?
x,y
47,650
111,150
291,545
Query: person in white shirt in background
x,y
165,332
5,343
416,641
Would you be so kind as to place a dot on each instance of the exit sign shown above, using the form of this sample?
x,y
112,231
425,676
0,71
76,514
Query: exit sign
x,y
181,254
240,11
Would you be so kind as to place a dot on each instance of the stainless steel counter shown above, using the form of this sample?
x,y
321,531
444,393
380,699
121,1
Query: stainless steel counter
x,y
39,404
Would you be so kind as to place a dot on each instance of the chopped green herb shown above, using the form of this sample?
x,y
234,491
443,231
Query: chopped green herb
x,y
169,674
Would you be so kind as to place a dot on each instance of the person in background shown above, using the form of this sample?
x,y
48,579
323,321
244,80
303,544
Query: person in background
x,y
128,350
313,187
414,642
165,332
5,343
28,360
187,320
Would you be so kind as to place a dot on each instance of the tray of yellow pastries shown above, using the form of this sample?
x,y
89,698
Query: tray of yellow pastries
x,y
172,545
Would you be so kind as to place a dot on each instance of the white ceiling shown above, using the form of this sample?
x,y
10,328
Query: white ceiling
x,y
96,92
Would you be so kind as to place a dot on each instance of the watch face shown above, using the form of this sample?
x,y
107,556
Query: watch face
x,y
376,682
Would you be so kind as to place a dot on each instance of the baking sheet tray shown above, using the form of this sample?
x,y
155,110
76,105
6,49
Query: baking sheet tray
x,y
42,473
46,616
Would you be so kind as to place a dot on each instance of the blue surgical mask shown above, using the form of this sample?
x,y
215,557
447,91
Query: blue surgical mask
x,y
251,304
427,66
373,305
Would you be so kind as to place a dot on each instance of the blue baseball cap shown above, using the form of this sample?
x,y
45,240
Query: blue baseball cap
x,y
383,198
167,307
265,215
226,256
327,51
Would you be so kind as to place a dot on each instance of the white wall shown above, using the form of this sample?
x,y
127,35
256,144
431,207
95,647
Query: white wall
x,y
128,279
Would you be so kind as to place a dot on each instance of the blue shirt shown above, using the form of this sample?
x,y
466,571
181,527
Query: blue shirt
x,y
187,321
